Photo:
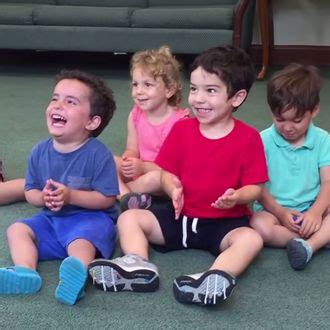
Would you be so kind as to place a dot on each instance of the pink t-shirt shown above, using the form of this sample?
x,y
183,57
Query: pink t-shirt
x,y
150,136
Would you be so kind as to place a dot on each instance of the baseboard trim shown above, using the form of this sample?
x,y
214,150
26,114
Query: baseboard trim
x,y
282,55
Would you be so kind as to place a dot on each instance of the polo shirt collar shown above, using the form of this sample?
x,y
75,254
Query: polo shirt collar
x,y
308,143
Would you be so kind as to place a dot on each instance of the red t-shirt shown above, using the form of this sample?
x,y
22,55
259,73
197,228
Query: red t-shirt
x,y
207,168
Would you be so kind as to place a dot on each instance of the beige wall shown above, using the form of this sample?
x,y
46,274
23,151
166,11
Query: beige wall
x,y
300,22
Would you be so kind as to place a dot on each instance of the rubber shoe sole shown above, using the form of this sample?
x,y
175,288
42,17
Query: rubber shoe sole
x,y
297,254
73,275
19,280
135,201
211,288
109,276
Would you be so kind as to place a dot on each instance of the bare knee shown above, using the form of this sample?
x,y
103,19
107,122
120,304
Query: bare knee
x,y
17,230
252,237
263,226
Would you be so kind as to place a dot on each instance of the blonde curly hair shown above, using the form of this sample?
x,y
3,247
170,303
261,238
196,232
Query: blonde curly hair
x,y
161,63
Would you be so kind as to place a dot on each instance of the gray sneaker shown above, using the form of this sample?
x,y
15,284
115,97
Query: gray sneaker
x,y
128,273
209,288
299,253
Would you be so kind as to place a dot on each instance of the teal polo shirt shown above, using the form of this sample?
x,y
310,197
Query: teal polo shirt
x,y
294,178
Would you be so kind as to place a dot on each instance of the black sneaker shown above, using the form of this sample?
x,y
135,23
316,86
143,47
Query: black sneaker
x,y
127,273
209,288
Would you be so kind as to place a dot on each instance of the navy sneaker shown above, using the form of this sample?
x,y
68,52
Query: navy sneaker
x,y
209,288
299,253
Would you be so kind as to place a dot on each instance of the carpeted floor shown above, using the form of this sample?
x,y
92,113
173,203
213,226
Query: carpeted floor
x,y
269,295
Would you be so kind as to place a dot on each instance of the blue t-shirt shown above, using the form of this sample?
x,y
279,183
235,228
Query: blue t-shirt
x,y
294,177
91,167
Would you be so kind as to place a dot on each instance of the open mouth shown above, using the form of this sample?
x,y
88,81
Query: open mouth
x,y
58,120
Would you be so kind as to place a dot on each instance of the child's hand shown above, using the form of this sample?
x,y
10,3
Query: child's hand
x,y
310,223
177,197
57,195
131,167
227,200
291,219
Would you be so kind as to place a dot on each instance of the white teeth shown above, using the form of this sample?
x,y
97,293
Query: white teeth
x,y
203,110
58,117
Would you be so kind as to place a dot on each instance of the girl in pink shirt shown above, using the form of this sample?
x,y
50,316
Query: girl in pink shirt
x,y
156,91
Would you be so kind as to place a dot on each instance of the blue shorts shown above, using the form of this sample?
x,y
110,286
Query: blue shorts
x,y
53,234
196,233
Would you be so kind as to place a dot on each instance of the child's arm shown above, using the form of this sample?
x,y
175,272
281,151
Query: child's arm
x,y
244,195
38,197
312,219
35,197
132,149
61,195
172,186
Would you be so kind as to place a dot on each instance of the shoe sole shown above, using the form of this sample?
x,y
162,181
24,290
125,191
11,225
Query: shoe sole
x,y
109,276
297,255
131,201
209,289
19,282
73,275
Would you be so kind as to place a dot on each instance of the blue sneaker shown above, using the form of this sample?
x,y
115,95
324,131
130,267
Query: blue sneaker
x,y
19,280
299,253
209,288
73,275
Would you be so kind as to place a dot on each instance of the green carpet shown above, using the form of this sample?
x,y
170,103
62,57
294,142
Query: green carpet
x,y
269,295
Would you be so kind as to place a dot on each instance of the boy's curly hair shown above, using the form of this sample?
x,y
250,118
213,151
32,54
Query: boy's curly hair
x,y
297,86
161,63
101,99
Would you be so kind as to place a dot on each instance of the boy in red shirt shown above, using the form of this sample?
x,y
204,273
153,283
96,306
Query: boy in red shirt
x,y
213,166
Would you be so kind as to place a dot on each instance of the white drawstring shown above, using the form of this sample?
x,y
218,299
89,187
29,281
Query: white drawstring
x,y
194,225
184,231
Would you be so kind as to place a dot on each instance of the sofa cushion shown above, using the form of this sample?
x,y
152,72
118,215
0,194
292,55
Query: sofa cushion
x,y
27,2
82,16
191,3
183,17
104,3
16,15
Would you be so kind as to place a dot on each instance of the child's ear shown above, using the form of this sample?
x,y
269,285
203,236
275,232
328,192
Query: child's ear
x,y
93,123
316,110
239,98
170,91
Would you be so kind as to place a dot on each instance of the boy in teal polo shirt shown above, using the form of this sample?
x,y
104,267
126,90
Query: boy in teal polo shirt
x,y
292,211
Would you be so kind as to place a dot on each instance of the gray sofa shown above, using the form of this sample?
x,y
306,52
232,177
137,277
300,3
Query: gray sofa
x,y
187,26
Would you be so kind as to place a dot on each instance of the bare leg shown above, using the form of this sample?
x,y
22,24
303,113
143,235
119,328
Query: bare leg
x,y
22,246
270,229
12,191
322,237
147,183
136,229
83,250
239,248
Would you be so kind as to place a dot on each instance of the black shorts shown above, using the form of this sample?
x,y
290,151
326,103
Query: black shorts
x,y
194,233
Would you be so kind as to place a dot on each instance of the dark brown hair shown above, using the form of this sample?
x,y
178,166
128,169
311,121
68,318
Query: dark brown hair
x,y
231,64
101,99
296,86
